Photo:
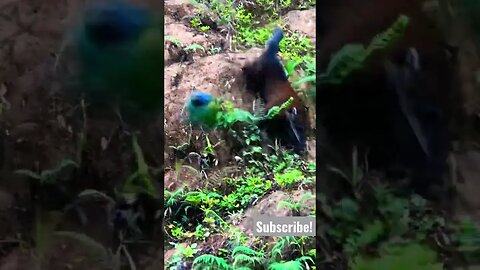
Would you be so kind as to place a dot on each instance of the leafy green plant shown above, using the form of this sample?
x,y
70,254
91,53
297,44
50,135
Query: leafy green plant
x,y
468,237
208,261
182,253
279,249
194,47
412,256
293,265
214,50
364,237
197,24
353,56
289,177
247,189
296,206
177,232
246,257
140,181
173,40
241,191
248,27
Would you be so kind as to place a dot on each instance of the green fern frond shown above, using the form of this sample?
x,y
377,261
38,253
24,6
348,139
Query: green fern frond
x,y
284,242
174,40
243,250
353,56
306,79
371,233
312,253
413,257
208,260
172,197
286,205
290,265
140,181
304,259
244,260
307,196
194,47
275,110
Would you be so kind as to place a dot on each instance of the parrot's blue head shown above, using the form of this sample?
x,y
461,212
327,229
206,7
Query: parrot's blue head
x,y
115,22
200,99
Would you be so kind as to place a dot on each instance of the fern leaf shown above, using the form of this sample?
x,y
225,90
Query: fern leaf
x,y
194,47
353,56
275,110
304,259
306,79
140,180
142,165
286,205
290,265
391,35
307,196
174,40
243,250
212,261
243,260
412,256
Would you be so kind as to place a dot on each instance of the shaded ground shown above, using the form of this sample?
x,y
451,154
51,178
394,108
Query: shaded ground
x,y
40,128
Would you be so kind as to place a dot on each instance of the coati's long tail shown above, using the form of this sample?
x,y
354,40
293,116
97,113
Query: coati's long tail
x,y
273,44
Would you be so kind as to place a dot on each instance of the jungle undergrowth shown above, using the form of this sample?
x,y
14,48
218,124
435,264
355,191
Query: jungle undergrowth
x,y
45,223
375,225
194,215
243,257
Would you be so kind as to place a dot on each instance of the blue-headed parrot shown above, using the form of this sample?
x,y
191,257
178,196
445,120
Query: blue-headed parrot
x,y
203,109
120,51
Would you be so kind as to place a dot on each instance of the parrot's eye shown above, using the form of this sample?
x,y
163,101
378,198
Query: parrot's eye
x,y
105,32
113,25
199,102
